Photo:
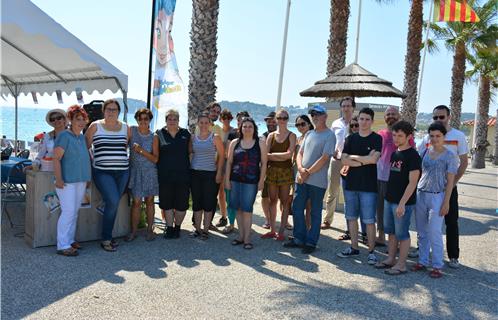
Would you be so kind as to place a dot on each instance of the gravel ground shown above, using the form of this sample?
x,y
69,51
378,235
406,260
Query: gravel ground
x,y
195,279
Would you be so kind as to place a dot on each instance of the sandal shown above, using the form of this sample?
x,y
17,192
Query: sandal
x,y
114,243
150,236
435,273
194,234
70,252
289,226
280,237
268,235
76,245
130,237
394,272
204,235
248,246
266,226
236,242
107,246
344,237
382,265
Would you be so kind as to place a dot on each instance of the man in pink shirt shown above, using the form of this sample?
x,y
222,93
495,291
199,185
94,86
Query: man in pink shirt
x,y
391,116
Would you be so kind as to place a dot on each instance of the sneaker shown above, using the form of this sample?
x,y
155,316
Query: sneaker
x,y
348,252
413,253
308,249
435,273
454,263
212,227
372,259
170,233
223,222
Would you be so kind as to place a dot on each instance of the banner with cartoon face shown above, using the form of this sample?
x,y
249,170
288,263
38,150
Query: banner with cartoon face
x,y
168,91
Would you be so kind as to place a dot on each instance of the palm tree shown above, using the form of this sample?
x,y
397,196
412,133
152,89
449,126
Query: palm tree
x,y
495,157
338,38
412,62
485,67
203,54
458,37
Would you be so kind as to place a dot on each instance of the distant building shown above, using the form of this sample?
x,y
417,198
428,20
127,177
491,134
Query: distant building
x,y
334,111
490,138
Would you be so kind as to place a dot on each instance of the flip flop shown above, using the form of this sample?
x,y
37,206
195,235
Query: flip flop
x,y
236,242
395,272
382,265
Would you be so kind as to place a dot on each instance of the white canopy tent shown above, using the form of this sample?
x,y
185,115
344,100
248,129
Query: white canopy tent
x,y
39,55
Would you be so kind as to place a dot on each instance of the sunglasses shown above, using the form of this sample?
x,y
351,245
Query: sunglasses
x,y
56,118
316,114
301,124
438,118
354,125
283,118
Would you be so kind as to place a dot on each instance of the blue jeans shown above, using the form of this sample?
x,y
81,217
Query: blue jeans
x,y
361,204
111,185
301,195
363,226
400,227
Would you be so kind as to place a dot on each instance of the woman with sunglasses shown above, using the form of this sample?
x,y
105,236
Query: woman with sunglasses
x,y
143,172
303,125
244,176
109,140
280,144
57,119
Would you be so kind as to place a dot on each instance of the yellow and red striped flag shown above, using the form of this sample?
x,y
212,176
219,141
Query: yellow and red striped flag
x,y
454,11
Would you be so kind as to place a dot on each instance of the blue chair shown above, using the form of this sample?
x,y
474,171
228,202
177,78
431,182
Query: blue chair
x,y
13,190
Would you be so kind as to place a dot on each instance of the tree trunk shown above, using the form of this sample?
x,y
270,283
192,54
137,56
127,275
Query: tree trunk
x,y
457,81
338,38
495,158
412,62
479,158
203,54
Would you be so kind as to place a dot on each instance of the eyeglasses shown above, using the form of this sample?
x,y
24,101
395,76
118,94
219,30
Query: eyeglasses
x,y
301,124
438,118
56,118
354,125
283,118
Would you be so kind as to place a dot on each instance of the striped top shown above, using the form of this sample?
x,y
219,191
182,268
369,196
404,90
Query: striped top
x,y
110,148
204,156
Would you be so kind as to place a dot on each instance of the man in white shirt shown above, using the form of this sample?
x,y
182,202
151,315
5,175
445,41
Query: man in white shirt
x,y
456,142
340,127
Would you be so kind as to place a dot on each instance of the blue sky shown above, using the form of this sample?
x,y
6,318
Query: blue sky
x,y
249,47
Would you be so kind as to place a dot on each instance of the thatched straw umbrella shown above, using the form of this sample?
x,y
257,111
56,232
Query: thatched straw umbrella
x,y
354,81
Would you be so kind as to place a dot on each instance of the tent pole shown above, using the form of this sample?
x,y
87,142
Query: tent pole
x,y
15,129
282,59
426,43
125,102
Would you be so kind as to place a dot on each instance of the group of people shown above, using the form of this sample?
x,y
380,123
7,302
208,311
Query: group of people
x,y
384,178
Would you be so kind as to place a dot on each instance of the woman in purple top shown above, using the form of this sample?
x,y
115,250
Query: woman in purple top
x,y
245,175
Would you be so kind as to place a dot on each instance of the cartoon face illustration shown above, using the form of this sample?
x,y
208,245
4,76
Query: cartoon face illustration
x,y
163,43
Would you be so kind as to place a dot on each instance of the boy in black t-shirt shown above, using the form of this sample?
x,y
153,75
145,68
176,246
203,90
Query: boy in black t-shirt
x,y
400,198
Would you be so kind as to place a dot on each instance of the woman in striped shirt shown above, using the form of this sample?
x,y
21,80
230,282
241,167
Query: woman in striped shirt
x,y
108,139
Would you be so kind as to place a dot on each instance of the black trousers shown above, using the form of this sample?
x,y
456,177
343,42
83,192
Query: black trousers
x,y
451,221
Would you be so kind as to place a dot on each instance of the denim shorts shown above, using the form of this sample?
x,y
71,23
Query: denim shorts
x,y
361,204
394,225
242,196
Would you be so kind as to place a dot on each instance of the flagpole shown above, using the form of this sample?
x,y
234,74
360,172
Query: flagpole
x,y
426,43
149,85
358,33
282,59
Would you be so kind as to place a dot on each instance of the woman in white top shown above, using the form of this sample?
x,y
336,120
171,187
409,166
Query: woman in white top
x,y
108,139
57,119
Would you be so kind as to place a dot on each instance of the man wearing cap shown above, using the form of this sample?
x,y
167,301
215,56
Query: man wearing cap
x,y
340,128
311,181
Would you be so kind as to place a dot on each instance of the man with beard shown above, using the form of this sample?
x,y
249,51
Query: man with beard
x,y
391,116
